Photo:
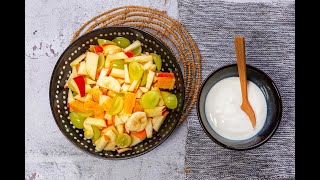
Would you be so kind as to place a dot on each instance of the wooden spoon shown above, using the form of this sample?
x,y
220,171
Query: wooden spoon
x,y
241,62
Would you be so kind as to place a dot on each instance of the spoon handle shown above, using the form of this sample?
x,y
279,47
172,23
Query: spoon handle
x,y
241,61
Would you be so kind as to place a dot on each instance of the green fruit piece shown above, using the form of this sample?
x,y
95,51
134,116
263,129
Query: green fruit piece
x,y
171,101
157,60
119,64
116,105
144,78
96,132
137,51
101,61
123,140
121,42
164,94
77,119
150,99
104,41
135,71
73,86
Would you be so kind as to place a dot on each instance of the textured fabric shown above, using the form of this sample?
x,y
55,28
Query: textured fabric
x,y
270,44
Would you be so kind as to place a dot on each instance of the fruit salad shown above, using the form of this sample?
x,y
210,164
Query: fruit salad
x,y
118,95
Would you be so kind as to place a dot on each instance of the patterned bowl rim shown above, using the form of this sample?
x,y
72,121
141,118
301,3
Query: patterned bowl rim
x,y
132,155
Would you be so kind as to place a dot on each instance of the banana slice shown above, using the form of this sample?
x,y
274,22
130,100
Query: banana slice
x,y
109,83
137,122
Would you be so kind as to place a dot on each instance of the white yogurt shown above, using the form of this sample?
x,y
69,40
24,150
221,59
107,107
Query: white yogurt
x,y
222,109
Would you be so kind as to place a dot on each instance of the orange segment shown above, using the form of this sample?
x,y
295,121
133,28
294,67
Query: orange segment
x,y
137,106
165,82
77,105
141,135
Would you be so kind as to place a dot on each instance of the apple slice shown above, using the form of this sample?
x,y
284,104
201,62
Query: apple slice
x,y
149,128
140,59
139,94
133,85
70,96
79,98
117,120
157,121
92,64
119,55
150,79
120,128
132,46
147,65
82,68
103,73
111,146
144,89
88,88
90,81
125,87
101,143
103,98
78,59
157,111
117,73
89,122
79,80
120,80
121,150
109,83
126,74
135,140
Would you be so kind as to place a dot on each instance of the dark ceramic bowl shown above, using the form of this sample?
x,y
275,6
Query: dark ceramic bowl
x,y
58,94
270,92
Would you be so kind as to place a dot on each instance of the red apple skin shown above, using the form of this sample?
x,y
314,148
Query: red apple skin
x,y
129,54
171,75
81,85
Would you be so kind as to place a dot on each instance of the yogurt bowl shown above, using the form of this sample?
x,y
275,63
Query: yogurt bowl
x,y
218,108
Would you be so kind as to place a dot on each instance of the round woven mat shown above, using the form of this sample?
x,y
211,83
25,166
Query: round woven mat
x,y
168,30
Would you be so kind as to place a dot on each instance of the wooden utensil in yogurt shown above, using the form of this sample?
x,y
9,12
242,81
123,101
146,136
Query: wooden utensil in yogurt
x,y
241,63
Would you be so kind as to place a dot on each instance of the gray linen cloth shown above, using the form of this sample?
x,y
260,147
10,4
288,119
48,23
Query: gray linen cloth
x,y
269,30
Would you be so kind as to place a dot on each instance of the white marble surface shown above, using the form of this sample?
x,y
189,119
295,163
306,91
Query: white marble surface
x,y
49,155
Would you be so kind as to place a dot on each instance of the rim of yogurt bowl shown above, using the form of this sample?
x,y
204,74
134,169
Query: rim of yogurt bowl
x,y
278,117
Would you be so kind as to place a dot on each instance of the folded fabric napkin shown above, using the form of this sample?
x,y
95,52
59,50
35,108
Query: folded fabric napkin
x,y
269,30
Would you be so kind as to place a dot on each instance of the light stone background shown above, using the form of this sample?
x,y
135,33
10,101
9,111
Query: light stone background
x,y
48,154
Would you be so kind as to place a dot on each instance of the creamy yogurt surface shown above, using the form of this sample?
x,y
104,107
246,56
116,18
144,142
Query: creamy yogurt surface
x,y
222,109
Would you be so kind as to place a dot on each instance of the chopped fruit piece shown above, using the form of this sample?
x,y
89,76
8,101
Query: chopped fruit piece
x,y
104,41
107,104
150,99
111,49
70,97
123,140
88,88
117,73
139,93
153,67
132,46
103,90
95,91
92,64
126,74
120,128
121,42
79,80
136,122
171,101
133,85
103,98
140,59
149,128
121,150
165,82
119,55
137,106
101,61
92,106
135,71
103,73
77,105
165,74
82,68
129,54
77,118
144,78
109,83
101,143
144,89
125,87
129,102
147,65
157,121
117,120
116,105
98,49
78,59
96,133
157,60
118,63
150,79
157,111
89,81
141,135
134,140
79,98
